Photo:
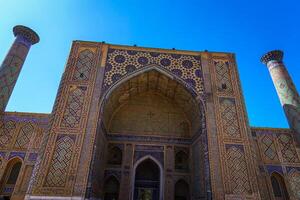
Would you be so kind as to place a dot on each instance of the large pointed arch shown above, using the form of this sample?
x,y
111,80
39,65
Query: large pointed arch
x,y
147,69
117,93
199,100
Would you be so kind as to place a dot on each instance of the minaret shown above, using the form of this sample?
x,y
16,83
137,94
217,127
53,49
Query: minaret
x,y
13,62
286,90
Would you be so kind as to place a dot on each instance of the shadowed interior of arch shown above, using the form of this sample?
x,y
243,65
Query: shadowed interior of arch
x,y
152,103
147,180
10,177
279,187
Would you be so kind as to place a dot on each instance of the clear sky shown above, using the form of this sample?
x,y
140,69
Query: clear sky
x,y
247,28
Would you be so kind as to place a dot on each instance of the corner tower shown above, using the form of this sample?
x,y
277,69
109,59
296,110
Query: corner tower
x,y
14,60
286,90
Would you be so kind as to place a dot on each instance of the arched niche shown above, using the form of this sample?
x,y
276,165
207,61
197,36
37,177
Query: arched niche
x,y
111,188
181,190
147,179
10,176
279,187
181,161
152,103
114,156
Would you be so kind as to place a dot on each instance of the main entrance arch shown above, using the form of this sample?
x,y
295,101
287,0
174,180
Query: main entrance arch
x,y
152,101
154,107
147,182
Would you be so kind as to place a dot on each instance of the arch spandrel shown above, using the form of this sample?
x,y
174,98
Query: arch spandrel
x,y
120,63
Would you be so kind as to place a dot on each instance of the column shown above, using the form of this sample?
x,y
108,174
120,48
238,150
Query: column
x,y
286,90
13,62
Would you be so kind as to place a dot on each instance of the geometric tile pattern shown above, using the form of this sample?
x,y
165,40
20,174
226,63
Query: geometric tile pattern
x,y
73,110
229,118
25,133
294,179
288,95
9,73
59,167
284,85
238,171
124,62
223,76
83,65
268,147
6,132
288,150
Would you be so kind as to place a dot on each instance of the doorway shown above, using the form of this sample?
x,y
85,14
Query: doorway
x,y
147,181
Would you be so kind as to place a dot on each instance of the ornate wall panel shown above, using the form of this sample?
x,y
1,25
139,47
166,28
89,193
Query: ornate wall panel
x,y
294,180
121,62
60,163
288,151
156,152
73,111
229,118
238,173
268,148
224,83
6,133
83,65
24,136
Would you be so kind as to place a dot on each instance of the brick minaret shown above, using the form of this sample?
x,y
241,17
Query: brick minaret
x,y
286,90
13,62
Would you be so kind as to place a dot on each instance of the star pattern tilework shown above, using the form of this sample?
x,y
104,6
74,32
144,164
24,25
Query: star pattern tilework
x,y
124,62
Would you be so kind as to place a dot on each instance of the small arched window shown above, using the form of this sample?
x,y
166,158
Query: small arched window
x,y
181,161
10,176
115,156
111,189
14,173
278,186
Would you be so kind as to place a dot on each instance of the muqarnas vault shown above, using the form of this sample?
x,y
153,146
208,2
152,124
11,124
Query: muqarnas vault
x,y
133,123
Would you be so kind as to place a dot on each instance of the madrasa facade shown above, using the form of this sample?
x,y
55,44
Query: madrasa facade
x,y
135,123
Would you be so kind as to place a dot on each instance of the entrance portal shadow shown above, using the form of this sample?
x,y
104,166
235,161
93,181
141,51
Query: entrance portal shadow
x,y
147,180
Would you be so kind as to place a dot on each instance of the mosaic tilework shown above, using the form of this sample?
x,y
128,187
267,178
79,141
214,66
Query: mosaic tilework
x,y
287,93
294,179
229,117
268,147
25,133
83,65
73,110
124,62
284,85
223,76
288,150
58,172
6,132
10,70
237,171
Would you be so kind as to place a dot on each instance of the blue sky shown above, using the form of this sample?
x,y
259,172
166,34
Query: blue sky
x,y
247,28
